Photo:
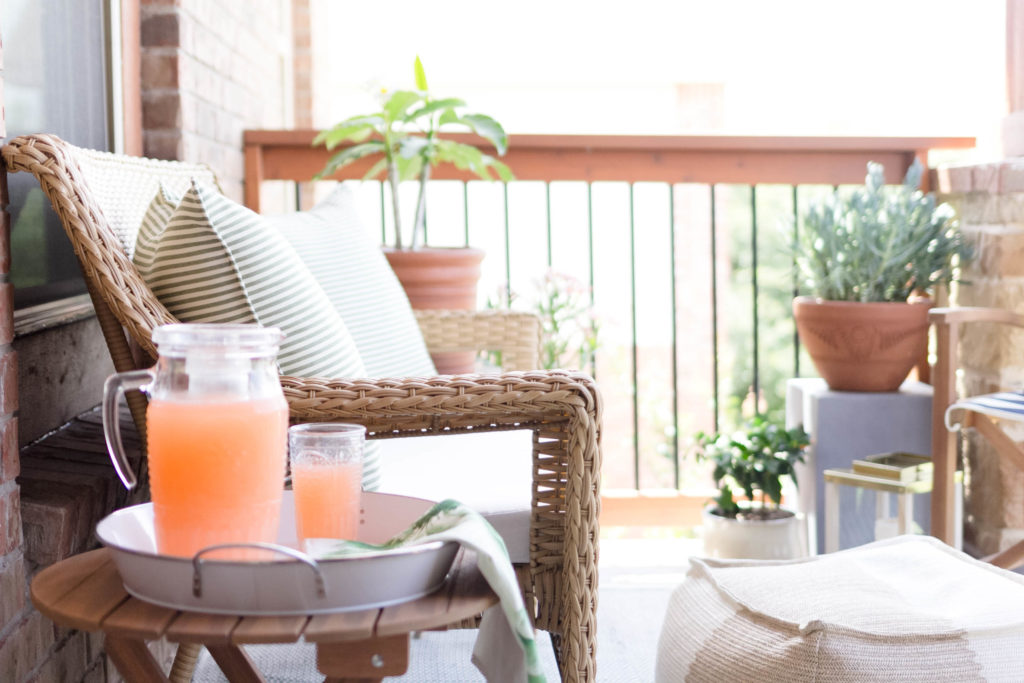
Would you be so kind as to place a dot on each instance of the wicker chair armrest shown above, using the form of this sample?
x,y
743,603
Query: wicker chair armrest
x,y
394,406
515,333
564,411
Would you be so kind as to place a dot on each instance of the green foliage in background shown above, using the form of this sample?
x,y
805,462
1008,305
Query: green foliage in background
x,y
569,329
755,459
775,296
28,240
405,134
879,244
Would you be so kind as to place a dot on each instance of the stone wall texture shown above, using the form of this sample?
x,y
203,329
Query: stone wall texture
x,y
989,199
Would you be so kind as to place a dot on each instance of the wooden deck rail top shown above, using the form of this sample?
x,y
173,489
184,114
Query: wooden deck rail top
x,y
289,155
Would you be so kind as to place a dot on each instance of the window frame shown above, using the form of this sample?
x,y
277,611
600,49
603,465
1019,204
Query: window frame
x,y
124,121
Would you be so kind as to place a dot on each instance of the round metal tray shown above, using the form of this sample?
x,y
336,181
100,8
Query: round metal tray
x,y
288,581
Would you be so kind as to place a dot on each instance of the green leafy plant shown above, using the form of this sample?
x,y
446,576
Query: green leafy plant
x,y
755,459
568,327
879,243
569,330
405,134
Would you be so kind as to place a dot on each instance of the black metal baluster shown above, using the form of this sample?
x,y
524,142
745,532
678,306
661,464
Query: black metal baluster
x,y
753,286
633,349
714,313
675,341
590,263
465,212
508,252
796,281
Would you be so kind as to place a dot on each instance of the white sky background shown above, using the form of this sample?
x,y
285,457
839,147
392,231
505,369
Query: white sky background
x,y
787,67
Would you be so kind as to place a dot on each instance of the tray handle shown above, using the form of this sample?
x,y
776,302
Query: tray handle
x,y
197,564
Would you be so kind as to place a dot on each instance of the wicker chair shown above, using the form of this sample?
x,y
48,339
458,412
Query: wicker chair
x,y
101,197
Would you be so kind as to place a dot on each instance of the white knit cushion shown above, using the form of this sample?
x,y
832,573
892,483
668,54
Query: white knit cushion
x,y
336,247
904,609
218,262
491,472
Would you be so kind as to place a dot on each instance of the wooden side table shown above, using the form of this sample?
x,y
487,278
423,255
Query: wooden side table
x,y
85,592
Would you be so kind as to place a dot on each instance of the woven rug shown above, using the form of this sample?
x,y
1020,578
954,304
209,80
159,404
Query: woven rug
x,y
636,579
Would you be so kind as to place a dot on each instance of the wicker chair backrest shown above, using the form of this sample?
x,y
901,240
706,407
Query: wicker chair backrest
x,y
101,199
124,186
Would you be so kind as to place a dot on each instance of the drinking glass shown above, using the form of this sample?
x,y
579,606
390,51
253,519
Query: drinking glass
x,y
327,468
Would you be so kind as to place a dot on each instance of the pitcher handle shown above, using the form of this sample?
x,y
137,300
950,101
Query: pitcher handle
x,y
112,390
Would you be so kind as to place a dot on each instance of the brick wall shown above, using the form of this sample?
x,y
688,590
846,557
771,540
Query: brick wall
x,y
303,65
209,71
990,202
17,628
31,647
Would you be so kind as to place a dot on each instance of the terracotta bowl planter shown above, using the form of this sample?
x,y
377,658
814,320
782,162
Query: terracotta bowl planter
x,y
440,278
863,346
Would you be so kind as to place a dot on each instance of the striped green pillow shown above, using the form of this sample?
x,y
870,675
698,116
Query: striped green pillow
x,y
216,261
153,223
338,250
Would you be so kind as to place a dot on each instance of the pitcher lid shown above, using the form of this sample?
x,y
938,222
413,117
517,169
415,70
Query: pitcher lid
x,y
246,338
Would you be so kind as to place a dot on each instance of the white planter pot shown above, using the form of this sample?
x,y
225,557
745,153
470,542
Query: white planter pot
x,y
749,539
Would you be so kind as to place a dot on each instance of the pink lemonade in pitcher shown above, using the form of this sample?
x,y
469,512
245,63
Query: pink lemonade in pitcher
x,y
327,499
216,471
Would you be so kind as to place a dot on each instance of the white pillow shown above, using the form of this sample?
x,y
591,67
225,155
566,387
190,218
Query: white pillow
x,y
350,267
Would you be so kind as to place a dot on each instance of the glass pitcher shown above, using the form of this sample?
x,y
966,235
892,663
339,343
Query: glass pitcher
x,y
217,426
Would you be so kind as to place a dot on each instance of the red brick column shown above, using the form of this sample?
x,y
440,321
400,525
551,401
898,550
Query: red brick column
x,y
209,71
31,648
12,562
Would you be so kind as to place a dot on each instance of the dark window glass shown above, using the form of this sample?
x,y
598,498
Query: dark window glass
x,y
55,81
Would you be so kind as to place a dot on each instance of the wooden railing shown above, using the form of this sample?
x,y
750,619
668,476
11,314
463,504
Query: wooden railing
x,y
714,159
672,160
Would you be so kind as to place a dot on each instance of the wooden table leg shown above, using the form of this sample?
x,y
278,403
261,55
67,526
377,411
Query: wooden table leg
x,y
363,660
235,664
133,660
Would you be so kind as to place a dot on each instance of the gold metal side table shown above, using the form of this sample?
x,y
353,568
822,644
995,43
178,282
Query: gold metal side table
x,y
864,475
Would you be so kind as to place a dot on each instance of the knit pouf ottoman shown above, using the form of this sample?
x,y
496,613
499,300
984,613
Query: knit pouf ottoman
x,y
905,609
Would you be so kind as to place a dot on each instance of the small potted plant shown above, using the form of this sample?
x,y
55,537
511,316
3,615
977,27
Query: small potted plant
x,y
569,327
754,460
405,136
867,258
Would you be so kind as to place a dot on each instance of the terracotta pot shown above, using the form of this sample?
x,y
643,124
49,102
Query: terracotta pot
x,y
753,539
440,278
863,346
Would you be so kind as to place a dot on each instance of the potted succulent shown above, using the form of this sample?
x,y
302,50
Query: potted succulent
x,y
868,258
405,136
754,460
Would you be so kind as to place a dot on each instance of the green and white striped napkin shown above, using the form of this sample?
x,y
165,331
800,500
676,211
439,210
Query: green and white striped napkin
x,y
506,651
